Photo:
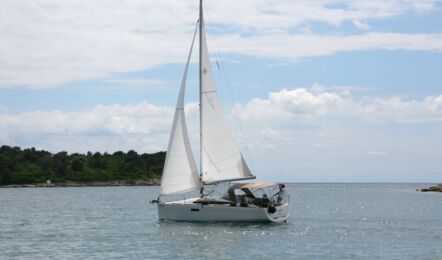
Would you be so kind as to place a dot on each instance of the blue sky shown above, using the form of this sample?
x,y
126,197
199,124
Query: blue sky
x,y
340,91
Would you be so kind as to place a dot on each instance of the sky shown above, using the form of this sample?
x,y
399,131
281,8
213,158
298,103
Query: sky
x,y
314,91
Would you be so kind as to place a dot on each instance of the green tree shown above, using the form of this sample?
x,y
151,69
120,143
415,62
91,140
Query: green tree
x,y
77,165
31,166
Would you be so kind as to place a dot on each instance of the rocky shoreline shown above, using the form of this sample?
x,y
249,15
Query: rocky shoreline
x,y
437,188
154,182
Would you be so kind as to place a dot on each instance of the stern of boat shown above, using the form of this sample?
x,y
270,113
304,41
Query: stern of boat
x,y
281,213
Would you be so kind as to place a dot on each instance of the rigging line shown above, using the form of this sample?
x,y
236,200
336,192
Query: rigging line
x,y
221,68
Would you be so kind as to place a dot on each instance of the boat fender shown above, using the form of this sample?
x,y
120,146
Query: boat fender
x,y
271,209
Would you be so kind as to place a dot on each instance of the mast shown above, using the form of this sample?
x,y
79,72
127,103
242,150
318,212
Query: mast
x,y
220,157
201,89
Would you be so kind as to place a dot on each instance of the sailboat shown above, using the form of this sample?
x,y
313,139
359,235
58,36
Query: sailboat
x,y
221,161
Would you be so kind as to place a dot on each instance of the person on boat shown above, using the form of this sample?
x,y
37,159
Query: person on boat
x,y
265,200
281,194
244,202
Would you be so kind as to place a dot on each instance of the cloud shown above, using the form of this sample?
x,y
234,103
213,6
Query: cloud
x,y
361,25
47,43
145,127
376,153
114,127
270,133
277,15
302,134
3,109
289,102
135,82
298,103
293,47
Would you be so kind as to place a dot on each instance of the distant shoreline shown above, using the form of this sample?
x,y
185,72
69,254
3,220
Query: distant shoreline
x,y
157,182
85,184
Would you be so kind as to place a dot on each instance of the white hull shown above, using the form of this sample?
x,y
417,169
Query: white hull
x,y
186,210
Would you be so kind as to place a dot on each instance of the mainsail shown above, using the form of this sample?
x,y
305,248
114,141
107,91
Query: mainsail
x,y
180,173
221,159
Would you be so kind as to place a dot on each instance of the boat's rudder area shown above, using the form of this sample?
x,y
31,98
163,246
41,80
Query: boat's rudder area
x,y
279,214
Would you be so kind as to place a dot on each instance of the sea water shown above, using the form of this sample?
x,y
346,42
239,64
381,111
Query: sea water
x,y
328,221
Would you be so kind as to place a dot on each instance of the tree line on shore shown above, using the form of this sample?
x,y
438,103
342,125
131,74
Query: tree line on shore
x,y
31,166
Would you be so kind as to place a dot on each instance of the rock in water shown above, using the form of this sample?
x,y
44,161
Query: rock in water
x,y
437,188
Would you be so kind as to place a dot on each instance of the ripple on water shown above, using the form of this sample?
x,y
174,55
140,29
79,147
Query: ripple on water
x,y
328,221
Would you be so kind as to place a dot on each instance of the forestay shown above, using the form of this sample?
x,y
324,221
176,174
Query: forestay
x,y
221,157
180,173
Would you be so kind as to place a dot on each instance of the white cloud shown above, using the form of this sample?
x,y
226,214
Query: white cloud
x,y
294,47
270,133
145,127
376,153
135,82
294,135
3,109
142,126
280,15
396,109
295,103
361,25
288,102
47,43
